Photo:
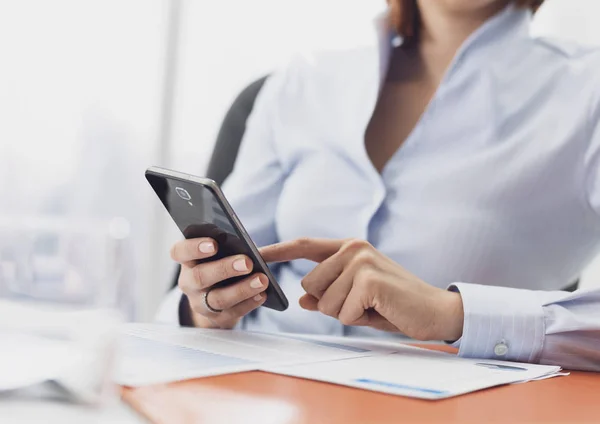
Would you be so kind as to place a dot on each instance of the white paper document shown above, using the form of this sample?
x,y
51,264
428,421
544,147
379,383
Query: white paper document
x,y
418,373
152,353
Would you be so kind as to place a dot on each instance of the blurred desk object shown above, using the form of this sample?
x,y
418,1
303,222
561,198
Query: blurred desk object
x,y
23,411
33,409
268,398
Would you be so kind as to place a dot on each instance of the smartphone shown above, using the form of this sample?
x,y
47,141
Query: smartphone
x,y
199,208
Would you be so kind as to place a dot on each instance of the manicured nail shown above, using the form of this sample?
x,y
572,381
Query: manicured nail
x,y
257,298
240,265
207,247
256,283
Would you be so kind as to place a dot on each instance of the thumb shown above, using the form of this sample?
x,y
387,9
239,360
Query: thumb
x,y
309,302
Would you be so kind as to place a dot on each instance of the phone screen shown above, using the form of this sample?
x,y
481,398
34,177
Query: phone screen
x,y
198,212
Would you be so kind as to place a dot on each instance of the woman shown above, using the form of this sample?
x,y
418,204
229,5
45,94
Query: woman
x,y
467,154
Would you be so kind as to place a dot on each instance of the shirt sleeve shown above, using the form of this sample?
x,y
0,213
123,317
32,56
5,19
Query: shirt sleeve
x,y
592,160
255,183
556,328
553,328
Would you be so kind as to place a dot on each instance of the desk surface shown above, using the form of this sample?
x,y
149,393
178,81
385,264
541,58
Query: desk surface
x,y
269,398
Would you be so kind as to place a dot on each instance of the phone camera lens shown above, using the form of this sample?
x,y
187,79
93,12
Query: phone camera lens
x,y
181,192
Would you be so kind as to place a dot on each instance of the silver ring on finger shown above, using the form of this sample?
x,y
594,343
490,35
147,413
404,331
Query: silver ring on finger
x,y
210,308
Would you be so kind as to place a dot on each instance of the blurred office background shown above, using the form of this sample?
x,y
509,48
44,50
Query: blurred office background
x,y
94,91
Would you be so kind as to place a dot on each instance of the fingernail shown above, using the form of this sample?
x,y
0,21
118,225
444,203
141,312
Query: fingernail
x,y
207,247
256,283
240,265
257,298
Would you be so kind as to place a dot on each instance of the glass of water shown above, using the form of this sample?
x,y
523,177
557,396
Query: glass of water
x,y
61,287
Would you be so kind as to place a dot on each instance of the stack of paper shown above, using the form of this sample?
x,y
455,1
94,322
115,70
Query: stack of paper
x,y
152,353
160,354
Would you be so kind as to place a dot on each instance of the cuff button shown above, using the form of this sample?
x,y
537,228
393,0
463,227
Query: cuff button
x,y
501,349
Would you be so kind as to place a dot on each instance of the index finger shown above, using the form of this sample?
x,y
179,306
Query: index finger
x,y
193,249
313,249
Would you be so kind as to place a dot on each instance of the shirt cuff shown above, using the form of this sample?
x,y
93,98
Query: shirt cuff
x,y
168,312
500,323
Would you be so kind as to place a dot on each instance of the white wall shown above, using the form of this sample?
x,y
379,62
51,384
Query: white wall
x,y
577,20
80,96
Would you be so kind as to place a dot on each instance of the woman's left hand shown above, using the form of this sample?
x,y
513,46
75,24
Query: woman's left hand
x,y
358,285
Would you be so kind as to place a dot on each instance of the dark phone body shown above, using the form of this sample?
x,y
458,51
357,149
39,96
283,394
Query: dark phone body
x,y
200,209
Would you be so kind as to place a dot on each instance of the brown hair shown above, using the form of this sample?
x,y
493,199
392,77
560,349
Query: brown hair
x,y
406,21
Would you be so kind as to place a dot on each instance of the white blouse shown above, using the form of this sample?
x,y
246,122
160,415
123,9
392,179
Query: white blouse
x,y
496,192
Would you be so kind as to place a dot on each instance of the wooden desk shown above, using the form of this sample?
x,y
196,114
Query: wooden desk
x,y
267,398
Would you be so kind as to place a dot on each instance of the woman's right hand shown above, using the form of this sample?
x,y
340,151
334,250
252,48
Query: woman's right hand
x,y
198,280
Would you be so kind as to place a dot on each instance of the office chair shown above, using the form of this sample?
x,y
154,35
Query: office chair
x,y
228,143
231,133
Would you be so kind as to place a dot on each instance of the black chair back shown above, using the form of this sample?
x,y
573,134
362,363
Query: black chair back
x,y
231,133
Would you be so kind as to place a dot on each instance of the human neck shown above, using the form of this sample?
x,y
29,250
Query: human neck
x,y
444,29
